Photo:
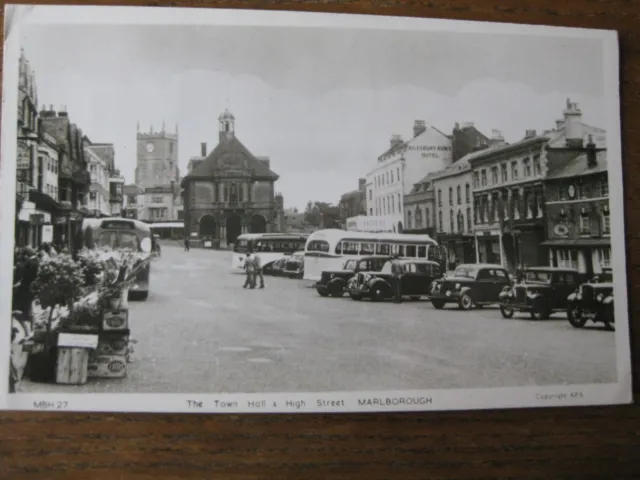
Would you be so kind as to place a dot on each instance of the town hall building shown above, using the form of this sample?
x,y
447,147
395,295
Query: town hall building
x,y
230,192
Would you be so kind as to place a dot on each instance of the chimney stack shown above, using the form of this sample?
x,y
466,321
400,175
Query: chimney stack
x,y
265,160
362,182
396,140
573,125
530,134
203,149
467,125
419,126
592,160
559,123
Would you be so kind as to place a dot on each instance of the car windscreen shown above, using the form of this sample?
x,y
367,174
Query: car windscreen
x,y
116,239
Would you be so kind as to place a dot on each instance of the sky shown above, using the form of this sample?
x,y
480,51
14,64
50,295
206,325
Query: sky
x,y
321,103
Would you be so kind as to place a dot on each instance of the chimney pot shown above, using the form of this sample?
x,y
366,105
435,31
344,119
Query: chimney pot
x,y
419,126
396,140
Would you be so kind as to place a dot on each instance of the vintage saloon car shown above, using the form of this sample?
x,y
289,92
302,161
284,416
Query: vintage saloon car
x,y
416,279
470,285
592,301
275,268
334,282
294,265
541,292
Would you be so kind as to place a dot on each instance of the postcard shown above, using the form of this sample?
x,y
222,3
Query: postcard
x,y
235,211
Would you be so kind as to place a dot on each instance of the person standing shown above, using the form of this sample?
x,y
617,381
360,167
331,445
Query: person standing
x,y
396,275
258,266
187,244
249,267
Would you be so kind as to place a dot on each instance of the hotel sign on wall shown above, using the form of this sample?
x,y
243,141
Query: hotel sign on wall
x,y
429,151
24,157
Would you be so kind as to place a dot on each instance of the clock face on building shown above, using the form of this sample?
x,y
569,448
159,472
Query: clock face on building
x,y
150,147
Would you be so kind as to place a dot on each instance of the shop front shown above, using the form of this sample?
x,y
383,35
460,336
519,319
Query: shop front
x,y
589,256
489,247
460,249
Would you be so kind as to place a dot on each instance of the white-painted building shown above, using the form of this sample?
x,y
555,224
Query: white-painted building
x,y
397,170
98,198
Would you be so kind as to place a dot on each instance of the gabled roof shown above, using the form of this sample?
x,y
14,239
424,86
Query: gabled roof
x,y
578,166
230,152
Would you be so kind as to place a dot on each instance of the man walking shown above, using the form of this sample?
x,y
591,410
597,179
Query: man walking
x,y
249,268
258,266
396,275
187,244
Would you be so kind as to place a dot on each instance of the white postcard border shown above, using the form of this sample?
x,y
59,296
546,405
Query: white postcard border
x,y
438,400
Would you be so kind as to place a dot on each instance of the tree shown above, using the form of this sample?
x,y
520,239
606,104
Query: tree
x,y
322,215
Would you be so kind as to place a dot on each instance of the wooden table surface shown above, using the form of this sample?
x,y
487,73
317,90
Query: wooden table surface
x,y
575,443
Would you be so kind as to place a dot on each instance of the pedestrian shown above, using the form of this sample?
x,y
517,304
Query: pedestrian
x,y
258,266
187,245
249,268
396,277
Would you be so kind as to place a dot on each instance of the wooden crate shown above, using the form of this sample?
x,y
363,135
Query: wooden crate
x,y
115,320
72,365
107,366
113,343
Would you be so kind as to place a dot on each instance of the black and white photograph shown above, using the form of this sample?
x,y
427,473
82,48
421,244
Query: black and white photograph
x,y
251,211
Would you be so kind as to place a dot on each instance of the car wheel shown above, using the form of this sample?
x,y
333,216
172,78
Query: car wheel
x,y
507,310
378,293
465,302
355,296
574,315
323,293
437,304
336,290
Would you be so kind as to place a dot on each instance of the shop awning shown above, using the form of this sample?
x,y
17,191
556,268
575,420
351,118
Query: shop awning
x,y
43,201
577,242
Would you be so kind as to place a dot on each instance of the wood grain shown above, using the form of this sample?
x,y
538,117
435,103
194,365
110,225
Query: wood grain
x,y
578,443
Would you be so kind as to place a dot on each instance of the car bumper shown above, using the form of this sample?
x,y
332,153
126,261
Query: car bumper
x,y
520,307
451,297
361,292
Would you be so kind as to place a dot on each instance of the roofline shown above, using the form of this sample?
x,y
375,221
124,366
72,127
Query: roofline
x,y
492,153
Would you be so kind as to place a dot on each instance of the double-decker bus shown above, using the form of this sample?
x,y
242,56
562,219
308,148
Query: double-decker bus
x,y
117,232
270,246
329,249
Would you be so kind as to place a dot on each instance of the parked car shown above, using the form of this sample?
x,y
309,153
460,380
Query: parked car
x,y
418,275
541,292
334,282
593,301
275,268
470,285
294,266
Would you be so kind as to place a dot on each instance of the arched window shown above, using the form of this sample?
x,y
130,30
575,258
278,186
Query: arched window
x,y
459,194
451,225
409,224
467,193
469,220
440,223
427,218
439,197
460,221
418,218
450,195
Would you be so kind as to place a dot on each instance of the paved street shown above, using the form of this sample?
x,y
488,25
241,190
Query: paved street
x,y
199,331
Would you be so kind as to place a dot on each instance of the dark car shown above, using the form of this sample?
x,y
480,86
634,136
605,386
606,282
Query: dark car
x,y
470,285
294,266
541,292
275,268
417,277
592,301
334,282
